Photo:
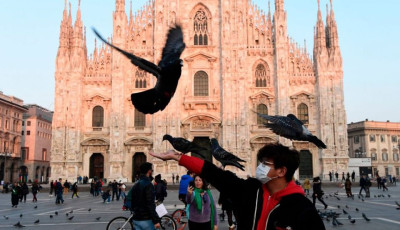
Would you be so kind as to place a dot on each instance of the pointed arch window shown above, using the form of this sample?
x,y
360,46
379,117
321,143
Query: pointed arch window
x,y
200,28
302,113
201,84
140,79
140,119
98,116
261,109
262,76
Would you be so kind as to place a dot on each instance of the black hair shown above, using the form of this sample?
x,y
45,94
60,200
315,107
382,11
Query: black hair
x,y
282,157
145,167
205,183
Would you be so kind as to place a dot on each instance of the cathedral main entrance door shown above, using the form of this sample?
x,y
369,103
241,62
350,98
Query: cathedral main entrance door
x,y
203,142
305,167
96,166
138,159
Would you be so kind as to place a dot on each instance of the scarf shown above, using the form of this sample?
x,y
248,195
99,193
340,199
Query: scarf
x,y
198,201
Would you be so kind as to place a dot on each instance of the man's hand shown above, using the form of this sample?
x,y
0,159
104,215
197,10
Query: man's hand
x,y
169,155
157,226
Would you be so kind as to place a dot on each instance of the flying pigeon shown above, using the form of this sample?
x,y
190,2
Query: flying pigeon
x,y
365,217
70,218
168,71
98,218
291,128
19,225
37,221
183,145
225,157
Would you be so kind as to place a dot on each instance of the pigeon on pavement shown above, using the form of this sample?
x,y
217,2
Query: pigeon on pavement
x,y
70,218
36,221
168,71
98,218
19,225
365,217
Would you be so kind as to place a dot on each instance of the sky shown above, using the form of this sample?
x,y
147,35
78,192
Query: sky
x,y
369,32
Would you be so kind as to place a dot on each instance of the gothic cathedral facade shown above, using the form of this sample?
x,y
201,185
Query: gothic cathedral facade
x,y
237,60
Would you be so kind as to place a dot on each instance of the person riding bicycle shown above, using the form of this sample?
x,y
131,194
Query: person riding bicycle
x,y
143,195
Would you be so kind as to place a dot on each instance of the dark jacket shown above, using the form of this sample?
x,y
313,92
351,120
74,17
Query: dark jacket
x,y
143,201
247,199
161,191
317,188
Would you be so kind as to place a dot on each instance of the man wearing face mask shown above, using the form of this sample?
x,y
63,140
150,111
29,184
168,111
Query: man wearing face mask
x,y
271,200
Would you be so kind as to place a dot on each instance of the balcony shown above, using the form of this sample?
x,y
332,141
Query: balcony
x,y
97,131
138,130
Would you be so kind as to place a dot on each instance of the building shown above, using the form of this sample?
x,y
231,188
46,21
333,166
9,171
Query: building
x,y
11,110
237,60
36,143
379,141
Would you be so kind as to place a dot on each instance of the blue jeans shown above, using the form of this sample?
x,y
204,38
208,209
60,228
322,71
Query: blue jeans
x,y
143,225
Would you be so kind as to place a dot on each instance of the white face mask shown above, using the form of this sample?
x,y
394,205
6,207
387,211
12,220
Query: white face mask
x,y
262,172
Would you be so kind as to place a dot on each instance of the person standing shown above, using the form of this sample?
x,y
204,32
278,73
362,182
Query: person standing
x,y
75,190
264,202
317,191
348,175
114,186
25,192
353,176
202,210
227,206
394,180
59,192
16,190
92,188
122,188
143,206
347,186
363,183
35,189
161,188
337,176
177,178
51,188
173,178
66,187
343,178
379,182
307,186
183,185
330,176
384,184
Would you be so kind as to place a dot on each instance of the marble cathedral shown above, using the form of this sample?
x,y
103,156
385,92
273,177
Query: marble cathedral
x,y
237,59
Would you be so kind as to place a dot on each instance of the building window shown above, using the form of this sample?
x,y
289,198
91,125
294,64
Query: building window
x,y
201,84
262,76
28,123
395,156
98,116
28,132
386,171
140,119
373,156
382,138
23,123
140,77
44,154
200,28
356,139
7,124
394,139
384,156
302,112
261,109
375,170
397,171
372,137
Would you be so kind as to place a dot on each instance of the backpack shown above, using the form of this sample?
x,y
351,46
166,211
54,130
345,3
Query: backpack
x,y
128,199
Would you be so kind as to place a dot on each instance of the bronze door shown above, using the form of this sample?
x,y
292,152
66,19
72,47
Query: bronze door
x,y
96,166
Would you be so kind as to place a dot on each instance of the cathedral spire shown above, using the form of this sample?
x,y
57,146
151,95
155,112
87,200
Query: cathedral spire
x,y
279,5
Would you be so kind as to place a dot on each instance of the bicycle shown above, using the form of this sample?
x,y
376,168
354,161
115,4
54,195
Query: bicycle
x,y
180,218
122,223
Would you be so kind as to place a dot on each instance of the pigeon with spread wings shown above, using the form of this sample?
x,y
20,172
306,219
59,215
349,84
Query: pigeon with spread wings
x,y
168,71
291,128
225,157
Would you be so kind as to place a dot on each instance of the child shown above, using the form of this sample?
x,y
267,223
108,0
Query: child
x,y
107,196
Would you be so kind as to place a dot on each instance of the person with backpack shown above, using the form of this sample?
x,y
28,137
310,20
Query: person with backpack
x,y
145,216
183,185
161,188
25,192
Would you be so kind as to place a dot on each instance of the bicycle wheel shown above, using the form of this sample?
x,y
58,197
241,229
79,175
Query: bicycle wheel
x,y
180,218
119,223
168,223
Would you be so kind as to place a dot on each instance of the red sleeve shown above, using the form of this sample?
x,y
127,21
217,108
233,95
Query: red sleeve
x,y
193,164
